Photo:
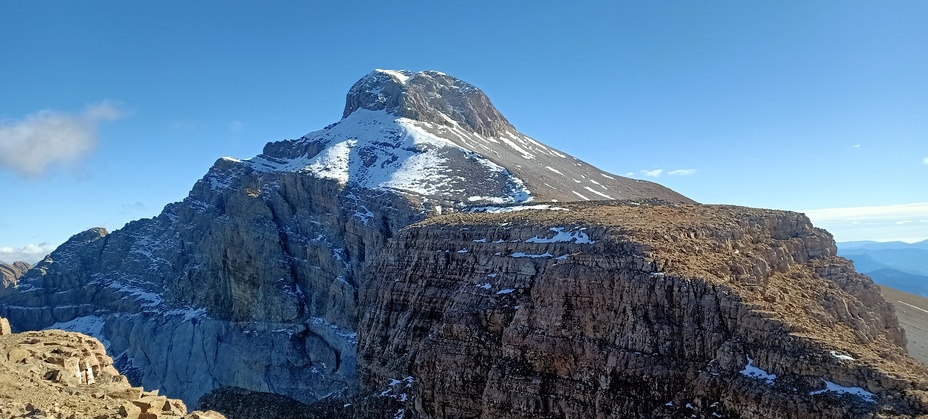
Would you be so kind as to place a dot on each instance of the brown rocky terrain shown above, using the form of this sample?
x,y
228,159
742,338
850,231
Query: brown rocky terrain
x,y
632,310
10,273
912,311
58,374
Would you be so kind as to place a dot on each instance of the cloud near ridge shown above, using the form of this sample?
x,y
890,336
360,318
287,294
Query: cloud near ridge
x,y
30,145
905,222
659,172
30,253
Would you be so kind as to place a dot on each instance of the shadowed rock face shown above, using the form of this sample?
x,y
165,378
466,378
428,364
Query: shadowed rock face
x,y
632,311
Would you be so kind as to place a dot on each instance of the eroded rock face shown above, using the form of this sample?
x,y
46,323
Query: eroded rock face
x,y
61,374
632,311
10,273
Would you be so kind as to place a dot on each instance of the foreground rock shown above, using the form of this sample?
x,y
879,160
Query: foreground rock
x,y
57,374
632,311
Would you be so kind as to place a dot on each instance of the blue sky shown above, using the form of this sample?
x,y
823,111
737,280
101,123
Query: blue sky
x,y
110,110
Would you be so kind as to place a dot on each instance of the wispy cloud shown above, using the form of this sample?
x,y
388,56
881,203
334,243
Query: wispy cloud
x,y
30,253
659,172
925,161
28,146
855,146
880,223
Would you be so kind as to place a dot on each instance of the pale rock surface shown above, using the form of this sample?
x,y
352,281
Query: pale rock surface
x,y
10,273
58,374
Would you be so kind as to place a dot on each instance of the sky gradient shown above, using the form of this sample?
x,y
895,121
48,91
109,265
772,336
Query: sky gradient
x,y
110,110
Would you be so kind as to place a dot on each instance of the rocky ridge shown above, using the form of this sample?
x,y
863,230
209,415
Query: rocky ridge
x,y
58,374
632,311
10,273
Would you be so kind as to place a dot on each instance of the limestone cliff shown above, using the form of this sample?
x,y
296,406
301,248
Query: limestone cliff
x,y
632,311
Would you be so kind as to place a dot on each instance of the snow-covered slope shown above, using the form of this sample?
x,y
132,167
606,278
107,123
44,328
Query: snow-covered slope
x,y
437,137
377,150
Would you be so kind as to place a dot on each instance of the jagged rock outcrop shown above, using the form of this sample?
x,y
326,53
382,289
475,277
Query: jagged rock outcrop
x,y
632,311
57,374
10,273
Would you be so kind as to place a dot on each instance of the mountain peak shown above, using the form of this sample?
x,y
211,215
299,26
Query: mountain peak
x,y
427,96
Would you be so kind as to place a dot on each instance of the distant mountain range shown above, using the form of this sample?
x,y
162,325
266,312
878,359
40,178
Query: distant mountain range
x,y
896,264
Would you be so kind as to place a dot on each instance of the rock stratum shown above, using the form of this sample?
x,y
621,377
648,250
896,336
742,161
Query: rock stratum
x,y
342,270
631,310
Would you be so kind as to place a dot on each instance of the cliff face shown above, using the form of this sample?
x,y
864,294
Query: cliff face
x,y
631,311
249,282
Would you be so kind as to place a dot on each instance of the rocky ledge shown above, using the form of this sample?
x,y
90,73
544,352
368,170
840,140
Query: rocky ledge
x,y
58,374
631,310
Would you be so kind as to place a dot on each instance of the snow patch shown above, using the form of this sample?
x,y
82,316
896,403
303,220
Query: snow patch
x,y
842,357
525,255
505,291
837,388
597,193
400,77
751,371
189,313
579,237
581,196
88,325
499,210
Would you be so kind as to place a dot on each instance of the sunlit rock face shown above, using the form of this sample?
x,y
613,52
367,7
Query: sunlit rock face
x,y
631,310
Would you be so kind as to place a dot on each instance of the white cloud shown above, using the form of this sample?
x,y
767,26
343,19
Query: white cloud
x,y
681,172
879,223
652,173
30,253
630,174
925,160
855,146
28,146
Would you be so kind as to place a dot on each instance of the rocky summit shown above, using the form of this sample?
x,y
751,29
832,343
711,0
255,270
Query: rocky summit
x,y
418,258
10,273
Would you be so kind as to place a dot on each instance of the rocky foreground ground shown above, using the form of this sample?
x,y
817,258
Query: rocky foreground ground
x,y
57,374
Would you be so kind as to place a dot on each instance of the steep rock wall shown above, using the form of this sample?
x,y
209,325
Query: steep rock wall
x,y
251,281
631,311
